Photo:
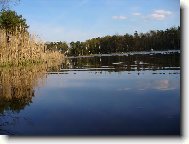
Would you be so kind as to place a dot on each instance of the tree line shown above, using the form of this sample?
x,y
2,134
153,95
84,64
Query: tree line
x,y
157,40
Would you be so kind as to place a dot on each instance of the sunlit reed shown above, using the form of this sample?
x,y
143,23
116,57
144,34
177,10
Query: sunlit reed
x,y
21,48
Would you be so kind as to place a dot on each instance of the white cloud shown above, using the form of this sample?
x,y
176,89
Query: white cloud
x,y
119,17
163,12
136,14
160,14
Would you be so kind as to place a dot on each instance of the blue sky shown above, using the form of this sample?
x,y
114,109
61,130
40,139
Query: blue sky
x,y
72,20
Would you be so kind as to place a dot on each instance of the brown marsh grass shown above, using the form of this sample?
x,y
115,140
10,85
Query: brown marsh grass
x,y
20,48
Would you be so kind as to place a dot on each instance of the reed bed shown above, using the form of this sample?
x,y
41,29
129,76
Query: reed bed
x,y
21,48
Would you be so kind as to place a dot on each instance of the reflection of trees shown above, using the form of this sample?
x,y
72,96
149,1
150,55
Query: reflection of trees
x,y
126,63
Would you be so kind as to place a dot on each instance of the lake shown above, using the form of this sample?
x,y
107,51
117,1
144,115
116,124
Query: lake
x,y
134,94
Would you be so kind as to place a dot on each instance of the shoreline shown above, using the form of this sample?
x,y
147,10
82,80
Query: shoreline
x,y
128,53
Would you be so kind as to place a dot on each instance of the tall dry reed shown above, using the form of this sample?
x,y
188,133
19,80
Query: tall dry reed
x,y
18,48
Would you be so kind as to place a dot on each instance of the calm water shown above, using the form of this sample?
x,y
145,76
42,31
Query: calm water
x,y
107,95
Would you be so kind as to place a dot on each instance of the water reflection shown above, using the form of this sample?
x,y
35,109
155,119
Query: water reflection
x,y
104,95
123,63
163,85
17,88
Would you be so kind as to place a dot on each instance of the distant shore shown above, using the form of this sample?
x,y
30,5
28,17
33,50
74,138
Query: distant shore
x,y
129,53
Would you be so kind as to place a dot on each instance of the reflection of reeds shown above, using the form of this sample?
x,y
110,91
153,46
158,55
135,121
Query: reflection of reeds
x,y
17,85
17,88
20,48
